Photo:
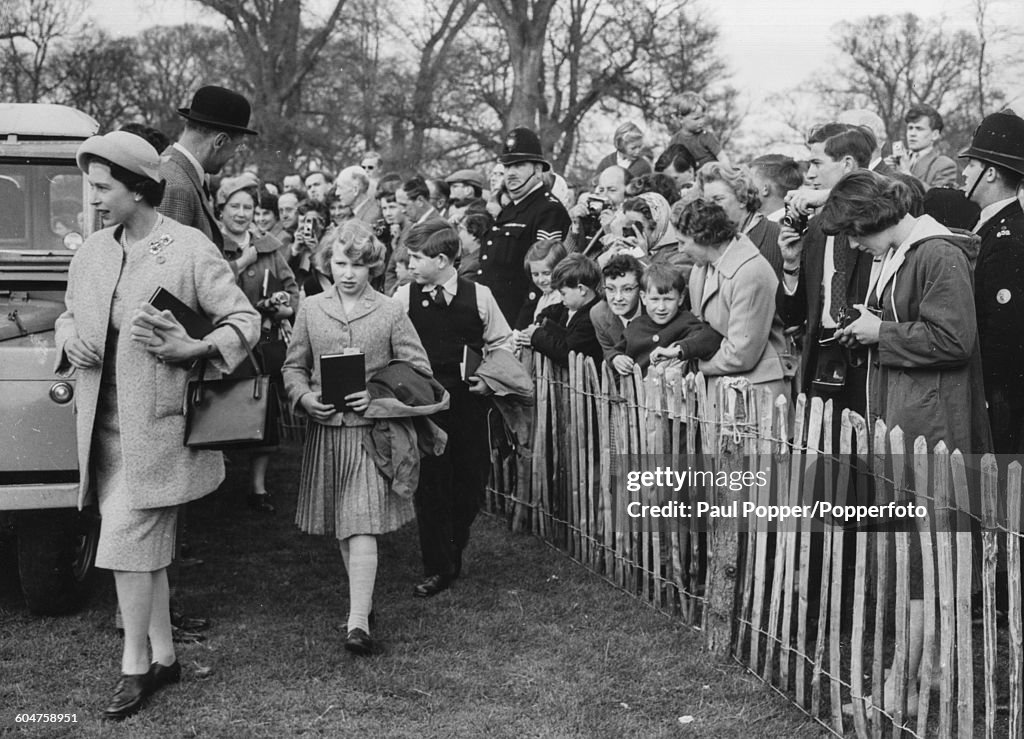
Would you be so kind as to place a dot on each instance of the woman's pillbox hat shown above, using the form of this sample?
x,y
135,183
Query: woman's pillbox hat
x,y
230,185
125,149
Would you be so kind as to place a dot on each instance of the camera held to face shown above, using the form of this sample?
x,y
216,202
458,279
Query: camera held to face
x,y
382,230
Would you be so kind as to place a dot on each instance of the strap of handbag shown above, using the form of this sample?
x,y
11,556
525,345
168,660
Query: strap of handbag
x,y
256,389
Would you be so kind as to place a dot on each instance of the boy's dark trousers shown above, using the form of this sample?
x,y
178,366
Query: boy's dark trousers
x,y
451,486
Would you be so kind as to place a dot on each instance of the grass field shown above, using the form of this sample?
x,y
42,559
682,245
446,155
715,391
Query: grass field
x,y
527,644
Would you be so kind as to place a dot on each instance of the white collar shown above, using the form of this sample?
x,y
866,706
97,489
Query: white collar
x,y
191,157
925,227
989,211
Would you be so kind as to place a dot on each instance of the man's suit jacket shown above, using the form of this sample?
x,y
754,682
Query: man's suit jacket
x,y
935,170
999,301
883,169
184,199
806,304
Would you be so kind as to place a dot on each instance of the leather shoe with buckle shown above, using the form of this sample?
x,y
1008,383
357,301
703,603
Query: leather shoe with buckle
x,y
161,675
358,642
129,697
432,586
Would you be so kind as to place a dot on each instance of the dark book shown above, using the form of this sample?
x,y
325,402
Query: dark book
x,y
471,360
341,375
196,325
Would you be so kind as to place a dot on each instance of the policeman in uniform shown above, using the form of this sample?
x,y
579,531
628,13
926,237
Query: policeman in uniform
x,y
994,169
533,214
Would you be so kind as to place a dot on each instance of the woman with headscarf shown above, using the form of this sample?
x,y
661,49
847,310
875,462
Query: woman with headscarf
x,y
132,364
647,233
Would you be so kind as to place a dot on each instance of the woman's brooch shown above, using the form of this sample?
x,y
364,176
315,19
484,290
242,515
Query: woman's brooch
x,y
157,246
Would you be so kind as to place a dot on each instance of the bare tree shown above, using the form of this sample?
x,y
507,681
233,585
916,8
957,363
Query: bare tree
x,y
35,30
279,52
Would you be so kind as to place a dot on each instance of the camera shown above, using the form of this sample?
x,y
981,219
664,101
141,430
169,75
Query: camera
x,y
382,230
597,204
629,231
795,220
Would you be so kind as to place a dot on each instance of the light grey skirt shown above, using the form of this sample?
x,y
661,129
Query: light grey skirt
x,y
341,491
131,540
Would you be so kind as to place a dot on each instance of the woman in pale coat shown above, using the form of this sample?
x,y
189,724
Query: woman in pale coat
x,y
131,365
732,287
341,491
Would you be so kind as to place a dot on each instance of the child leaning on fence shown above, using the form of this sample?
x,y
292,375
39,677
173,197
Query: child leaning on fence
x,y
341,491
666,332
566,327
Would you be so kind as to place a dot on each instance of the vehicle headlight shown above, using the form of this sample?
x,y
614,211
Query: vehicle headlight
x,y
73,240
61,392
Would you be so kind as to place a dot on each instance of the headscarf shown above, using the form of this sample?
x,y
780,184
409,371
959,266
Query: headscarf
x,y
664,232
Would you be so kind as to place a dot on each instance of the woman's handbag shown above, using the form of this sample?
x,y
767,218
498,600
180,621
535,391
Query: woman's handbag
x,y
231,413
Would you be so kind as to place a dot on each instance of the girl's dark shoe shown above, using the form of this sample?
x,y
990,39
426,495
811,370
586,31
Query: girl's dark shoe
x,y
261,503
358,642
161,675
129,697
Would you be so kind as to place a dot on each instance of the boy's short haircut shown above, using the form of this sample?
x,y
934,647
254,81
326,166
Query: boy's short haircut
x,y
843,139
676,156
690,101
781,171
663,278
551,251
576,270
621,265
919,110
434,237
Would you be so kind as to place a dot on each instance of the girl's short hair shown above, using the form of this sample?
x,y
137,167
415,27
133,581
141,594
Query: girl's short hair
x,y
357,242
477,223
738,179
663,278
864,203
705,223
269,202
434,237
550,251
626,134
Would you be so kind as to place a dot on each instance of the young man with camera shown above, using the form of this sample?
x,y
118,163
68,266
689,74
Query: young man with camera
x,y
823,275
923,160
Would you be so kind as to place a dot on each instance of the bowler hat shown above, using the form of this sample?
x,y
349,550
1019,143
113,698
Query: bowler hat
x,y
218,107
469,176
523,145
999,140
125,149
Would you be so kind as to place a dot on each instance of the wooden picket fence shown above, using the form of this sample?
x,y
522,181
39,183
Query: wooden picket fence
x,y
819,613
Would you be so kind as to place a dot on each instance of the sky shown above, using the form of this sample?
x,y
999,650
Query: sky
x,y
769,45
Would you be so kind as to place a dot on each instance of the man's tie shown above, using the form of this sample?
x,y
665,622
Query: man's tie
x,y
437,295
840,254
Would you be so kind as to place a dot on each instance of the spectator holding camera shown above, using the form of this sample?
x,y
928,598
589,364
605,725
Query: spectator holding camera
x,y
920,157
773,176
822,274
920,327
593,214
311,220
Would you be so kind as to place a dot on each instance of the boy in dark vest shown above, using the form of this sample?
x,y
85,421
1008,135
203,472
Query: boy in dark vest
x,y
450,313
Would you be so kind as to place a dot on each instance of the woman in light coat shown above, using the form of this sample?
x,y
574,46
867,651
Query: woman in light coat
x,y
131,365
732,287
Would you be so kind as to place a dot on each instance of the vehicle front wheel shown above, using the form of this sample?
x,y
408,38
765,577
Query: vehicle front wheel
x,y
56,554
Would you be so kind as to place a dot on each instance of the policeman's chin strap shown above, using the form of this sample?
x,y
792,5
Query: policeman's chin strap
x,y
977,180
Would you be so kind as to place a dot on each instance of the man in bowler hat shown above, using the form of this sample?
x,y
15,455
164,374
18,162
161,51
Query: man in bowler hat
x,y
994,170
534,214
216,124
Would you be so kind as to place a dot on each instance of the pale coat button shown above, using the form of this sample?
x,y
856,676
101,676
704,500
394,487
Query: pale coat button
x,y
251,273
490,243
479,271
484,256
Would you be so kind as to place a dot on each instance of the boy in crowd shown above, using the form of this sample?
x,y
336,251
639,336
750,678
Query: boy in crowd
x,y
450,313
691,111
665,331
611,316
566,327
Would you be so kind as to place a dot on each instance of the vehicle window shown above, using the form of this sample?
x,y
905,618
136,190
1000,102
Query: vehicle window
x,y
13,211
40,203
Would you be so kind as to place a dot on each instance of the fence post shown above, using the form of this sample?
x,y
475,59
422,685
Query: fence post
x,y
733,398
